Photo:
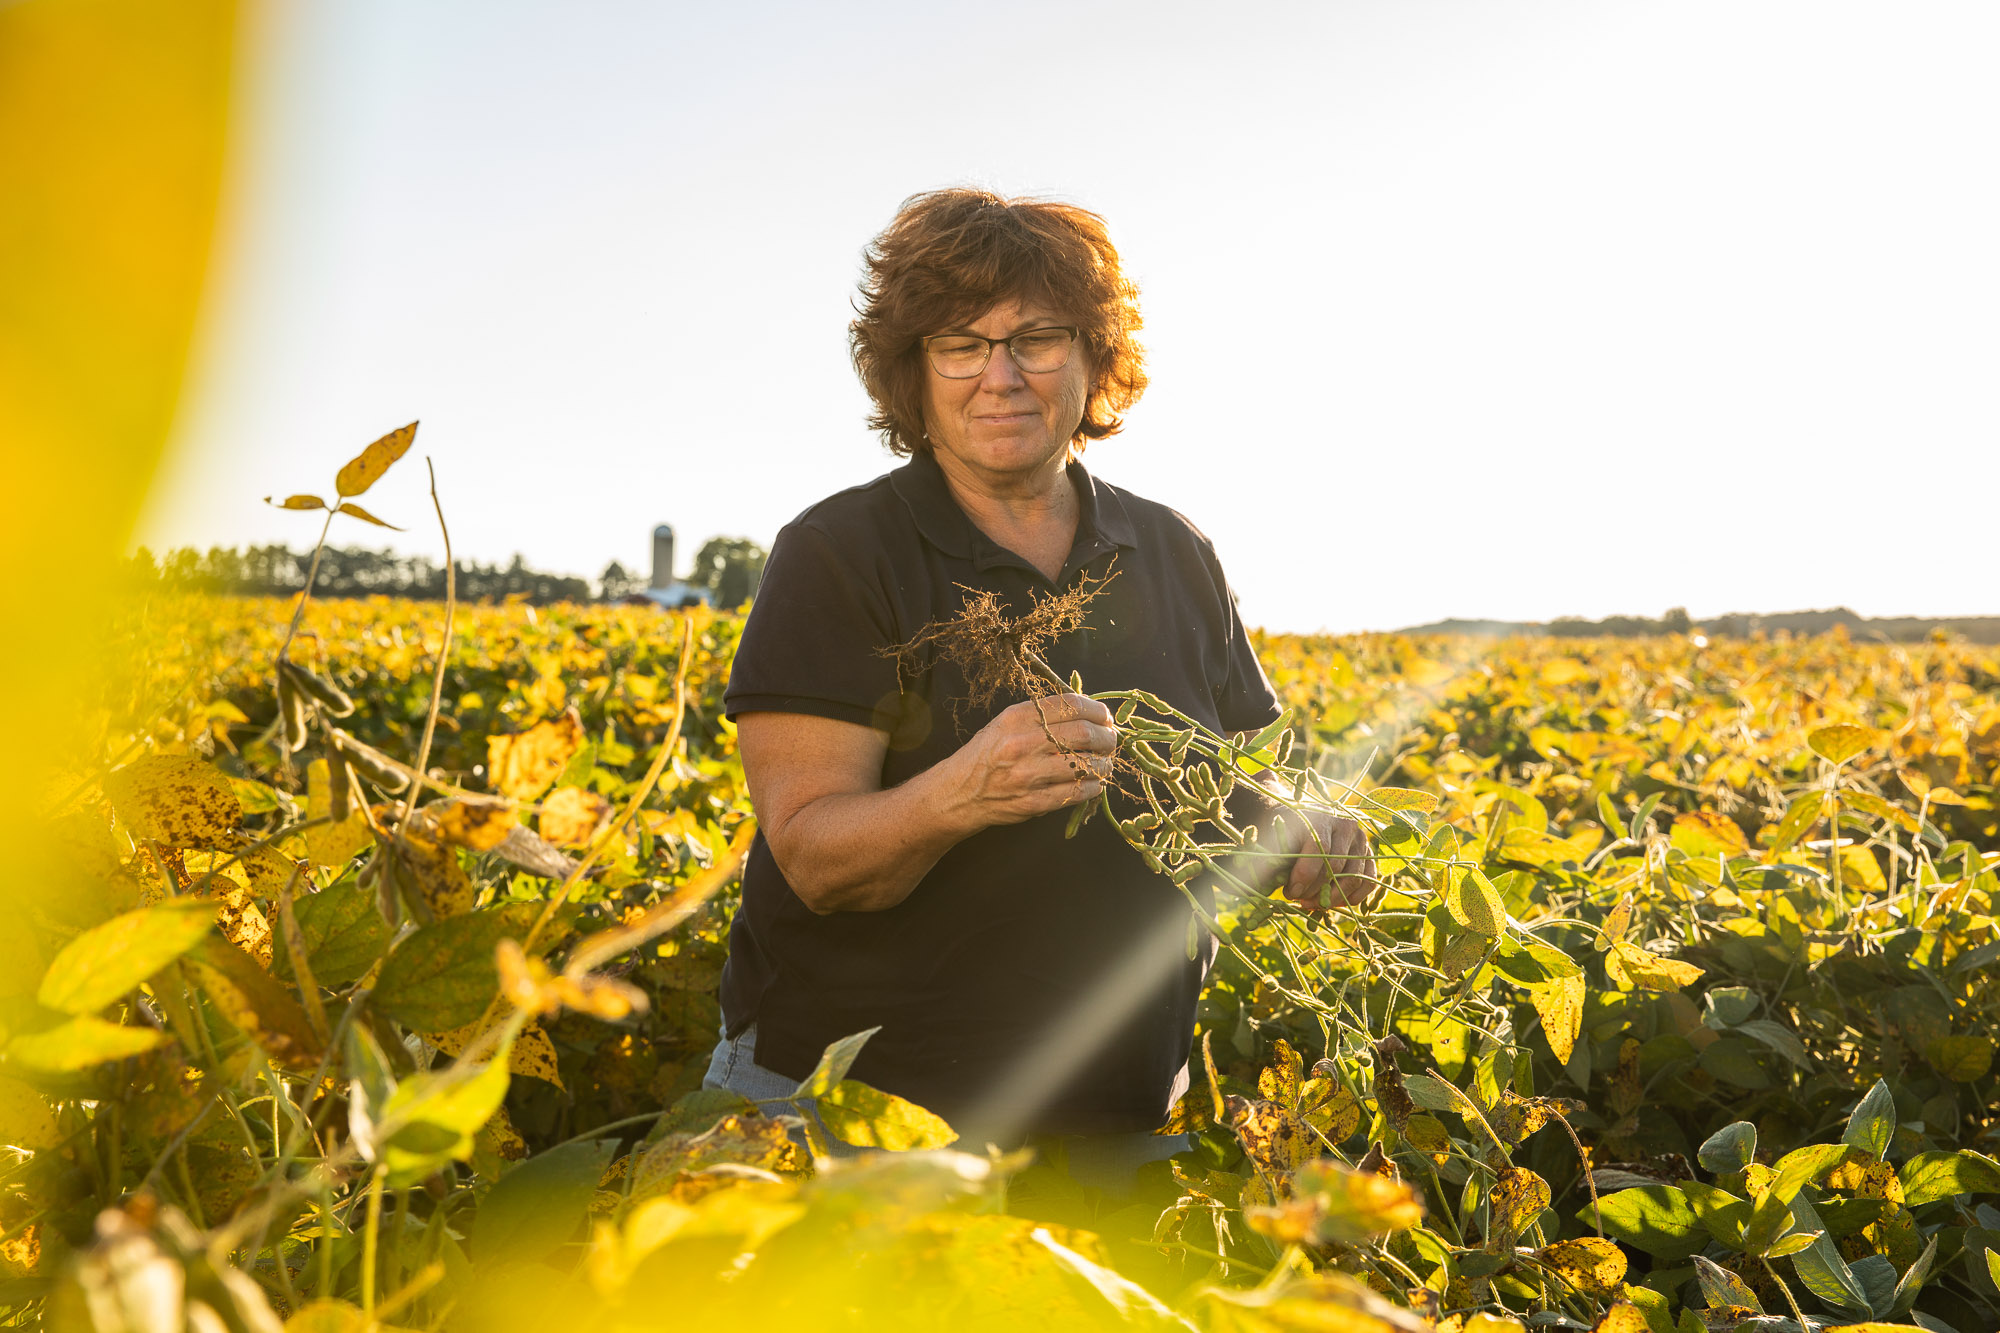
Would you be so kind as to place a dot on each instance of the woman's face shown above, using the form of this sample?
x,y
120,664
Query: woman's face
x,y
1006,425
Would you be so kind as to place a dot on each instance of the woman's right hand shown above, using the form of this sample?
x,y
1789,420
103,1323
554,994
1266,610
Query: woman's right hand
x,y
1041,755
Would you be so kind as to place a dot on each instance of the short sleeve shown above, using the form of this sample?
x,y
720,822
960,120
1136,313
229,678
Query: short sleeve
x,y
1246,701
815,639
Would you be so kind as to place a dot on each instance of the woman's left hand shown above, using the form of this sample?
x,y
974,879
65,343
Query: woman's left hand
x,y
1339,863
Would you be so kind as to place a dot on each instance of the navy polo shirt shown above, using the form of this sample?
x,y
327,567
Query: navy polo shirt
x,y
1029,982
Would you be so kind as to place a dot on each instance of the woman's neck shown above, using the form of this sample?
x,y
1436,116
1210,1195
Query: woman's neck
x,y
1035,516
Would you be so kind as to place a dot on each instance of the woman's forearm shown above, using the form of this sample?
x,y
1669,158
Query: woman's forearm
x,y
865,851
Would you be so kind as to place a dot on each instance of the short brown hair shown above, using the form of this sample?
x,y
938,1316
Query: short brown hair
x,y
952,255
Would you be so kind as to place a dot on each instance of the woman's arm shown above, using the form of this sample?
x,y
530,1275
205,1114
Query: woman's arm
x,y
845,844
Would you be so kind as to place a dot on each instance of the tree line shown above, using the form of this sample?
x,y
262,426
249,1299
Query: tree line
x,y
729,568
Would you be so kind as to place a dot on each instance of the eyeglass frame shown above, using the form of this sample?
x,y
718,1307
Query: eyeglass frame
x,y
1075,336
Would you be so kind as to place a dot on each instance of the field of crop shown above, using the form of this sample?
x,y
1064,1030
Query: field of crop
x,y
1679,1010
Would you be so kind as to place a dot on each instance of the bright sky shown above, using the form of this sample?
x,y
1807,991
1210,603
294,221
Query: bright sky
x,y
1455,307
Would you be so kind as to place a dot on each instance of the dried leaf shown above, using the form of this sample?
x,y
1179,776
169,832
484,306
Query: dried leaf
x,y
524,848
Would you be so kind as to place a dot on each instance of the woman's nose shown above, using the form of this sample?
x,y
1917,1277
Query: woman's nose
x,y
1001,374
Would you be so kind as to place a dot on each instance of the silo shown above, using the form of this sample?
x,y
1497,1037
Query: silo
x,y
663,556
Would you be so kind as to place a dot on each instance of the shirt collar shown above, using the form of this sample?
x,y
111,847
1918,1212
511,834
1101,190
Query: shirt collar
x,y
920,484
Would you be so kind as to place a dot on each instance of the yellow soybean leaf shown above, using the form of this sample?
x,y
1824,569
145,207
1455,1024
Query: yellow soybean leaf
x,y
1615,924
356,511
1841,742
80,1043
256,1003
1426,1133
1859,866
1475,904
106,961
176,800
1279,1082
367,467
521,766
1705,833
1593,1266
1272,1136
1337,1116
433,864
870,1118
297,502
1560,1004
571,815
1622,1318
26,1118
533,1054
1517,1199
1643,970
1493,1323
331,844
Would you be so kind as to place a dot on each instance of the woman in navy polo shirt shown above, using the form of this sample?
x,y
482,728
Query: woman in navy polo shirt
x,y
911,871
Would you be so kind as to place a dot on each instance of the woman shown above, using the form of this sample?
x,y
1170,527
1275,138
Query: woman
x,y
911,872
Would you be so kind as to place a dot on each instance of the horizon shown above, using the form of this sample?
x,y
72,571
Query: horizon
x,y
1699,621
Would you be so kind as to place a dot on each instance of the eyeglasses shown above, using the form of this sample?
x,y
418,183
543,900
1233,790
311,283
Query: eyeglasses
x,y
963,356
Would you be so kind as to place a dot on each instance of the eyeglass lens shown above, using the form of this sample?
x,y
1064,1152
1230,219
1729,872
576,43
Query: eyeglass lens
x,y
1037,351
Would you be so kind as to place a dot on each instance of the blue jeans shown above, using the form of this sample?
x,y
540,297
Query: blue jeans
x,y
1107,1162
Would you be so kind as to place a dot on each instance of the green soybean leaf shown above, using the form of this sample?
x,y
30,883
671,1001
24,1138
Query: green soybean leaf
x,y
1873,1123
1801,1166
1429,1093
1653,1218
1779,1038
1822,1270
1792,1244
1931,1176
1911,1284
870,1118
1725,1215
343,930
431,1117
1768,1221
540,1204
1877,1276
1607,815
1271,733
1730,1148
1726,1006
442,976
106,961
